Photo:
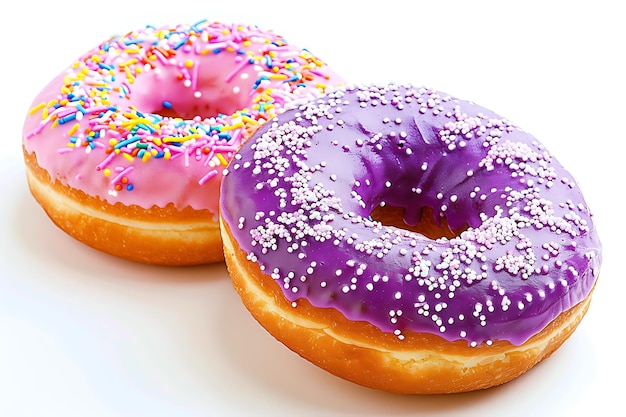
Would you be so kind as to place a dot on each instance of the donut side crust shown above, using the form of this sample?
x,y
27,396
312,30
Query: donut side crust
x,y
158,236
361,353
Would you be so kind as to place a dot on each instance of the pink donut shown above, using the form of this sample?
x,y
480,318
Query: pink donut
x,y
125,148
320,256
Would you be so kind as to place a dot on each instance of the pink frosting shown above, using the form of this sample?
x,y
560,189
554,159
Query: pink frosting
x,y
153,117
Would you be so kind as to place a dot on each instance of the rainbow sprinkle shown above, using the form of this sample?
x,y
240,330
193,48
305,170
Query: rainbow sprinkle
x,y
96,96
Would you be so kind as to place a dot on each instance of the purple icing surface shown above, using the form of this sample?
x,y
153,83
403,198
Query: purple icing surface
x,y
298,196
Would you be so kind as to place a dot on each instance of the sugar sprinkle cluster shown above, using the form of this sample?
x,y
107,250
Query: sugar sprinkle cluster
x,y
530,253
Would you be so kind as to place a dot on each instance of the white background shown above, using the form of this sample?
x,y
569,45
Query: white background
x,y
85,334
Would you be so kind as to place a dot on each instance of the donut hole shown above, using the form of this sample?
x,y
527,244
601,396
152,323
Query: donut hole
x,y
208,100
188,112
427,225
206,94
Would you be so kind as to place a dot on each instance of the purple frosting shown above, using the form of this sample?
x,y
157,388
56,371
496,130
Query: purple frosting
x,y
298,196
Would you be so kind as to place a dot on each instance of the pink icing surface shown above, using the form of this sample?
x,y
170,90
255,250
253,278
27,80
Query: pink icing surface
x,y
153,117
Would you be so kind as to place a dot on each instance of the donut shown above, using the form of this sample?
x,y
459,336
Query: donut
x,y
124,149
407,240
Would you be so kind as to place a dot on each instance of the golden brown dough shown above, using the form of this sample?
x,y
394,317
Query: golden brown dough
x,y
159,236
361,353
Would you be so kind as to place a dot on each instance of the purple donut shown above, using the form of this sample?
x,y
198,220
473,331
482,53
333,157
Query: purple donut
x,y
298,199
